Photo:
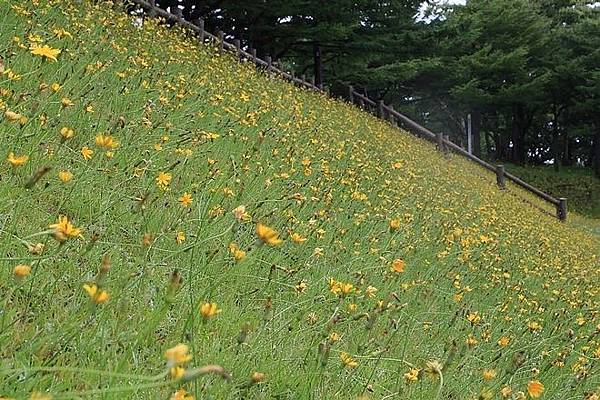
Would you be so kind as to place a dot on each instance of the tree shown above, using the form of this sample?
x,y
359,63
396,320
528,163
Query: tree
x,y
337,38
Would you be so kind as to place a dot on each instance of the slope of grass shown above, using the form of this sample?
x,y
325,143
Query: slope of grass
x,y
417,279
579,185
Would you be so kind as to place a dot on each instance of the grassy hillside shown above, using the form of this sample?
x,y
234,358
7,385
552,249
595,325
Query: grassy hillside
x,y
142,179
577,184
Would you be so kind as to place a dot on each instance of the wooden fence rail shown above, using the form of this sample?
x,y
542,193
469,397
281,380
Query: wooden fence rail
x,y
379,108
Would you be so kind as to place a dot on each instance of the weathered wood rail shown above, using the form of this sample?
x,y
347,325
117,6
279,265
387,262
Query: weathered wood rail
x,y
379,108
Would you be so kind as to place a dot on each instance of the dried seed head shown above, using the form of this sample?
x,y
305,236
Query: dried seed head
x,y
36,249
257,377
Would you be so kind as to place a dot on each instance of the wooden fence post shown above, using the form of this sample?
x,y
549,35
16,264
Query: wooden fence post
x,y
312,81
221,39
351,94
500,178
238,48
152,12
440,141
561,209
200,24
445,146
391,116
253,52
178,13
380,111
269,63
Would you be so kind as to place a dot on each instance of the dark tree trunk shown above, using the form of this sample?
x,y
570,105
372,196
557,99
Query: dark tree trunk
x,y
476,131
501,153
519,127
488,145
556,150
318,63
556,144
567,153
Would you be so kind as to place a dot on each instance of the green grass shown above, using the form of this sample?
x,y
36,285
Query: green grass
x,y
578,185
481,265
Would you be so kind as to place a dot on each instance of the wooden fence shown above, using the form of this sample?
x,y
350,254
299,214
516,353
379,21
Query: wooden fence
x,y
379,108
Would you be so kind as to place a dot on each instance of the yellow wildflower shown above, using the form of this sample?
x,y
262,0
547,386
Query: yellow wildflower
x,y
471,340
66,132
489,374
177,372
21,270
318,252
66,102
16,161
12,116
177,355
297,238
394,224
180,237
340,288
96,294
208,310
147,239
535,389
237,253
412,375
61,32
506,391
86,152
185,199
301,287
45,51
348,361
398,265
181,394
534,326
65,176
268,235
163,180
106,141
473,318
64,229
371,291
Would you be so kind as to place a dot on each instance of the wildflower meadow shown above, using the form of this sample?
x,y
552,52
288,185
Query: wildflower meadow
x,y
175,224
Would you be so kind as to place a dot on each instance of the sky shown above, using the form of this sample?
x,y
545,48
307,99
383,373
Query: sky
x,y
420,15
